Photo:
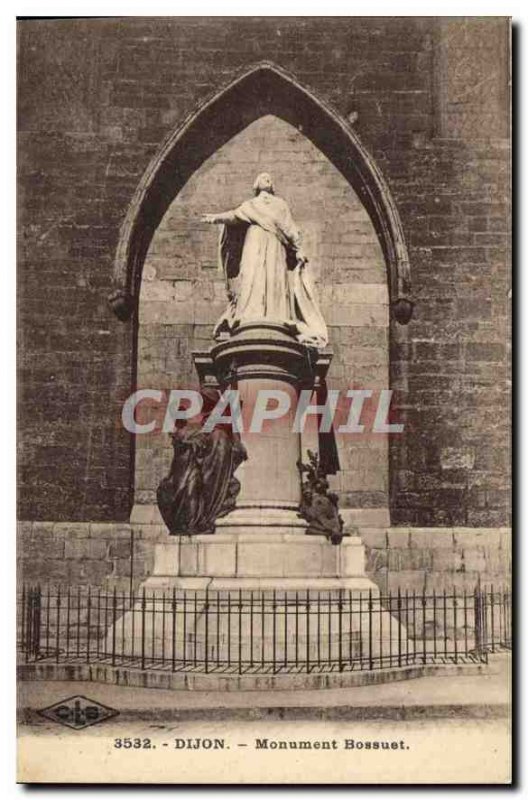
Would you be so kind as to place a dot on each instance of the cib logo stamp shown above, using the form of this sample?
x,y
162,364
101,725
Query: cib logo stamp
x,y
78,712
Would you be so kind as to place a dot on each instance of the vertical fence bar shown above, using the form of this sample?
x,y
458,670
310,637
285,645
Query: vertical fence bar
x,y
340,629
509,618
28,613
424,639
173,628
105,596
143,621
98,641
31,620
319,630
195,626
297,629
296,623
114,619
501,611
68,610
350,626
399,627
240,630
29,623
251,629
22,618
88,623
434,625
485,636
38,623
78,622
48,607
330,630
228,629
217,595
286,627
274,630
133,623
370,628
380,615
206,654
32,616
123,615
466,650
262,625
445,624
35,621
184,629
503,616
414,623
163,623
455,624
153,630
57,632
308,631
360,626
477,624
407,626
390,598
492,606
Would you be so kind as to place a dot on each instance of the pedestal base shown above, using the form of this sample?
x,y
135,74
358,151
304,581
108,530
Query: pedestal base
x,y
257,556
257,601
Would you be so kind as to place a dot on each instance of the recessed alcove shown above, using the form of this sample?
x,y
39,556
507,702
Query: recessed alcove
x,y
182,292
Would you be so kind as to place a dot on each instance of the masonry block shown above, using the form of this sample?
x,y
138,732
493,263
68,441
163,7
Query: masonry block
x,y
85,549
432,538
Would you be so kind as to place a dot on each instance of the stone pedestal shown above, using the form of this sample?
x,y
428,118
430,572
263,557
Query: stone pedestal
x,y
264,558
292,592
259,358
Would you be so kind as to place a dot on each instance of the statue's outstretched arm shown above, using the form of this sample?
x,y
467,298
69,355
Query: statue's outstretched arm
x,y
225,218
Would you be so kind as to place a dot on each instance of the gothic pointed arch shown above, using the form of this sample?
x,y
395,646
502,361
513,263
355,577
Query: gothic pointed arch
x,y
264,89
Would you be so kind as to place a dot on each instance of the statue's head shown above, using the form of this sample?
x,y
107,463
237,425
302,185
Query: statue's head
x,y
263,183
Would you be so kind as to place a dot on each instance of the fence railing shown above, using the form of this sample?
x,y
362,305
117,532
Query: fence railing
x,y
261,631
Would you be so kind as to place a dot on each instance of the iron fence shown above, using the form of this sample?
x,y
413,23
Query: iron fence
x,y
261,631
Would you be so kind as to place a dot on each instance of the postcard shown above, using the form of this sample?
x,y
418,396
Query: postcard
x,y
264,491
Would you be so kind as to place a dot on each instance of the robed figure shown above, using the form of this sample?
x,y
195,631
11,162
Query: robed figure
x,y
264,266
201,485
267,279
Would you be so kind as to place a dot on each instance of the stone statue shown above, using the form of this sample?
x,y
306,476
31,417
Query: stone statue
x,y
319,506
265,268
201,486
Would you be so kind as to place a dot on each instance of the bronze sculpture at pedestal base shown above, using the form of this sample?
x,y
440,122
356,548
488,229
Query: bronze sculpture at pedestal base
x,y
201,486
319,506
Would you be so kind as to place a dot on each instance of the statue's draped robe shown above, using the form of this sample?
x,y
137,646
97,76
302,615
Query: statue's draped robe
x,y
258,254
201,486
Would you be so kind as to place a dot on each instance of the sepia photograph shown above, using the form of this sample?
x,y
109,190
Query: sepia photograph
x,y
264,400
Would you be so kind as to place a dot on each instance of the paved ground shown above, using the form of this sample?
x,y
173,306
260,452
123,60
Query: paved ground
x,y
469,695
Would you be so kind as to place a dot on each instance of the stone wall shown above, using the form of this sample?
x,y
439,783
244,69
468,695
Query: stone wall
x,y
98,97
83,554
183,292
410,559
437,559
